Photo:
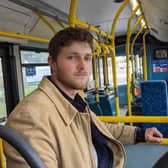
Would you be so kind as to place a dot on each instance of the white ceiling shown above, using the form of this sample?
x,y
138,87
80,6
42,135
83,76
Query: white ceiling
x,y
156,15
18,19
97,12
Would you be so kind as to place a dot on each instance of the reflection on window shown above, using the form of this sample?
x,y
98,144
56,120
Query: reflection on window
x,y
34,67
3,112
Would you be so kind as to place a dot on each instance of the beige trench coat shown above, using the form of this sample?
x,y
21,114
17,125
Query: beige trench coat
x,y
59,133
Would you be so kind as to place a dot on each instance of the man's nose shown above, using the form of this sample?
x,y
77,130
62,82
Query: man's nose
x,y
81,63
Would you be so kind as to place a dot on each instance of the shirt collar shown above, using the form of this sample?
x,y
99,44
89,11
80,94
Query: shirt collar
x,y
77,102
63,106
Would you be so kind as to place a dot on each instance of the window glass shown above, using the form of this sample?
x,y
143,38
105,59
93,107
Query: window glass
x,y
120,70
34,67
110,73
101,74
3,111
32,57
32,76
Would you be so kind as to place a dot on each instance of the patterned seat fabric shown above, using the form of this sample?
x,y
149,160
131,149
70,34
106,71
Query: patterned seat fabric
x,y
155,102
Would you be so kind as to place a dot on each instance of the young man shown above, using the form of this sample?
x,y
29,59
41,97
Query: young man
x,y
56,120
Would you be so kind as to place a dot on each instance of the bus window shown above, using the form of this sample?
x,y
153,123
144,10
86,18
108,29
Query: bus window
x,y
3,111
110,73
34,67
101,74
121,69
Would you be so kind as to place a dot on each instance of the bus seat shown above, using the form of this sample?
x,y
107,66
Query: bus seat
x,y
95,107
20,144
162,162
122,94
155,102
107,104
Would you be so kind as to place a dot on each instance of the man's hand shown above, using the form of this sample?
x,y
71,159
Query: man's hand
x,y
153,135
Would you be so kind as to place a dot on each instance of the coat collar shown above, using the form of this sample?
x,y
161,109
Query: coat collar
x,y
66,110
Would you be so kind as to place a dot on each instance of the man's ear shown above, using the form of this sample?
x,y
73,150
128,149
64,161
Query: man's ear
x,y
50,60
52,63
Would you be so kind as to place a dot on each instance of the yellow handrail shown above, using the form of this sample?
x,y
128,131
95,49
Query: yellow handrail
x,y
22,36
116,19
72,13
127,58
135,38
144,57
92,28
135,119
95,72
136,24
132,59
113,55
45,21
60,23
2,158
73,20
105,66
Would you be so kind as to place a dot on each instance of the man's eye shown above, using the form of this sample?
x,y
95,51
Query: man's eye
x,y
70,57
88,58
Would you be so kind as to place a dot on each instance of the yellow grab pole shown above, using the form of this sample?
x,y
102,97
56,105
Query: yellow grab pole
x,y
73,20
92,28
145,58
60,23
131,31
98,51
2,158
132,55
45,21
72,13
136,24
127,59
116,19
113,56
24,37
105,51
135,38
95,76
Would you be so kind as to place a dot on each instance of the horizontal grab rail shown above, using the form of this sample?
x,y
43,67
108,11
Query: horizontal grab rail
x,y
135,119
138,119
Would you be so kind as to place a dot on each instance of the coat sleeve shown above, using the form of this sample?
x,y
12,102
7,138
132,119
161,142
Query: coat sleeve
x,y
30,123
124,133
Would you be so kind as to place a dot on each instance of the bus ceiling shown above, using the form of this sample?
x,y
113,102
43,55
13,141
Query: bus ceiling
x,y
20,17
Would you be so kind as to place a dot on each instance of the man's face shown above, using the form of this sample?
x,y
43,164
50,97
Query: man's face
x,y
72,66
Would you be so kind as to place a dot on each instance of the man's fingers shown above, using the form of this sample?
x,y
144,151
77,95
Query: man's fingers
x,y
153,135
158,134
154,139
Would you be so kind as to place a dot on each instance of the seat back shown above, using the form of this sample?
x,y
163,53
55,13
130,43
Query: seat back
x,y
155,102
107,104
22,146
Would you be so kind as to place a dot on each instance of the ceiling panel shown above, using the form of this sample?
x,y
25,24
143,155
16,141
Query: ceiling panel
x,y
156,15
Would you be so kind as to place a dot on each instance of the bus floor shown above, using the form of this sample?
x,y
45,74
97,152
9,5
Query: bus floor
x,y
144,155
